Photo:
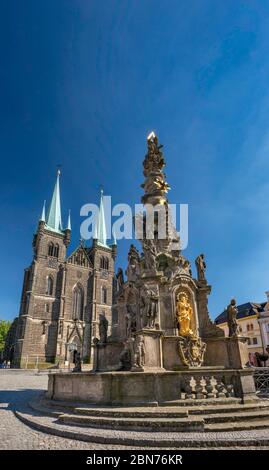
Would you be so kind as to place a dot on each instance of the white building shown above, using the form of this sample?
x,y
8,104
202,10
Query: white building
x,y
253,321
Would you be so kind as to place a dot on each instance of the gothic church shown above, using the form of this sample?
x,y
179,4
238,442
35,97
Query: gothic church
x,y
63,296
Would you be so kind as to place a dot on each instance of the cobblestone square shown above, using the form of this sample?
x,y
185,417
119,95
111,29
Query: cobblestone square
x,y
16,389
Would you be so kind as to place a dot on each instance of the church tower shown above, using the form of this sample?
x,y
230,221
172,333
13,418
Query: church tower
x,y
103,258
64,297
42,287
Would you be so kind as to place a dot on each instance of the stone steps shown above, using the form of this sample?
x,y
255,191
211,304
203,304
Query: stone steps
x,y
237,426
261,405
146,416
132,413
169,407
153,440
148,406
215,418
53,408
237,416
190,424
240,420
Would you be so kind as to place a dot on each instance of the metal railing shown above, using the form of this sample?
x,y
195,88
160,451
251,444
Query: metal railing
x,y
261,379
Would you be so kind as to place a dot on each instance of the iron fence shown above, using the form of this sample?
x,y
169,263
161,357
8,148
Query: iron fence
x,y
261,378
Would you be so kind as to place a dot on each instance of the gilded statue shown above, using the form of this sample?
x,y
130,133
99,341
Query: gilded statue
x,y
184,315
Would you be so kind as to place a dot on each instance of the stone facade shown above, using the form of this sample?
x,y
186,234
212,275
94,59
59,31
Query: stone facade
x,y
62,298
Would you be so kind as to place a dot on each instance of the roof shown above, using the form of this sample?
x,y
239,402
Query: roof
x,y
245,310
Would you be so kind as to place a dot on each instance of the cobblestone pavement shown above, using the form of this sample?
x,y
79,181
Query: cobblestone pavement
x,y
17,388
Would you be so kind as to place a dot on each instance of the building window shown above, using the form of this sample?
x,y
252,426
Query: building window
x,y
56,251
254,341
249,341
104,263
44,328
49,289
53,250
47,308
240,329
78,303
103,295
50,249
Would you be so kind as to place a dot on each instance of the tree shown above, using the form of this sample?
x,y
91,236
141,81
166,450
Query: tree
x,y
4,328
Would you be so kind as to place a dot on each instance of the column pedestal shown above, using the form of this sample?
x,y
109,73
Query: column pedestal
x,y
153,349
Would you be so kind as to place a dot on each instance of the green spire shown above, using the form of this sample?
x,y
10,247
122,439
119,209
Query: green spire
x,y
54,219
101,235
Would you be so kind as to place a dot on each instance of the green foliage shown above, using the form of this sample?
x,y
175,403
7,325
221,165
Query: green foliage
x,y
4,327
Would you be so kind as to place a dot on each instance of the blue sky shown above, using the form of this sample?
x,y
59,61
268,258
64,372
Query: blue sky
x,y
82,82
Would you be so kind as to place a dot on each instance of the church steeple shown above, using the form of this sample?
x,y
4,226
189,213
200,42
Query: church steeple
x,y
54,218
101,234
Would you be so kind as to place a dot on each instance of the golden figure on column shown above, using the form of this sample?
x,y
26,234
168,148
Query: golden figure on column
x,y
184,315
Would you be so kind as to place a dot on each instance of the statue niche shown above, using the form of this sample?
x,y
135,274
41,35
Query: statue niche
x,y
184,315
191,347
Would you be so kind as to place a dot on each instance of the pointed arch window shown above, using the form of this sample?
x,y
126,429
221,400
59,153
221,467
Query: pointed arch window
x,y
49,288
103,295
78,301
56,251
104,263
50,249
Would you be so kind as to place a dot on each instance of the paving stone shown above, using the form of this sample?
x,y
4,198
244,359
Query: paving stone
x,y
17,388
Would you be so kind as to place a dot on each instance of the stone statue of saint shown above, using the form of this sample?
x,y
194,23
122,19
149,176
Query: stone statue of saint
x,y
154,160
201,267
150,254
103,327
231,318
184,315
130,320
133,268
120,279
139,352
185,265
149,305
